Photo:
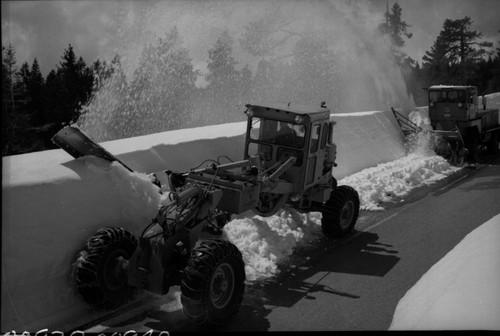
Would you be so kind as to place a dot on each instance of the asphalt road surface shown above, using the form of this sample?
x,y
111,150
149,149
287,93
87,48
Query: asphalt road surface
x,y
356,282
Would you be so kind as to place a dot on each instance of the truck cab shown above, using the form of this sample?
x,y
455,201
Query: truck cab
x,y
278,132
451,106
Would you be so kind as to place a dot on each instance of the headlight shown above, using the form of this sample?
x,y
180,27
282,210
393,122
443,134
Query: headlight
x,y
299,119
249,113
460,105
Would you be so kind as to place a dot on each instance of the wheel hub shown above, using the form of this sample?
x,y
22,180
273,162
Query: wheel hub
x,y
346,214
114,273
222,285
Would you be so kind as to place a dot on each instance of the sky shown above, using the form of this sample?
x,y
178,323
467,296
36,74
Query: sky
x,y
44,29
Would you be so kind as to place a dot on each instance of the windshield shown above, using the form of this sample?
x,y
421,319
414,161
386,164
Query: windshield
x,y
278,132
447,96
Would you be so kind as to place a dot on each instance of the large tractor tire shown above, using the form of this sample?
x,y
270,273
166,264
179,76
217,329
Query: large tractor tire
x,y
340,212
99,270
213,283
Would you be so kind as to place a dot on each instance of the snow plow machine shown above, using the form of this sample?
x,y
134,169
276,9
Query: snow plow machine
x,y
288,160
460,128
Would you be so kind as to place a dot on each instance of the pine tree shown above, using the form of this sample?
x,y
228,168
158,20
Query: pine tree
x,y
160,95
313,76
265,35
14,119
70,88
36,93
455,54
223,79
10,68
394,26
396,29
494,82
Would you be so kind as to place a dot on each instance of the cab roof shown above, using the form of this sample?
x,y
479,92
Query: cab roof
x,y
290,107
451,87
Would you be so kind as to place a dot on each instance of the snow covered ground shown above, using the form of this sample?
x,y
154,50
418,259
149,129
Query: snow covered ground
x,y
51,204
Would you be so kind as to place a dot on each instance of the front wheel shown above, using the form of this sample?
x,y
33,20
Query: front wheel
x,y
340,212
99,271
493,143
213,283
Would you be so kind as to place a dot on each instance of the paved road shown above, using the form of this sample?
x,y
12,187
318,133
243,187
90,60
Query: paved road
x,y
355,283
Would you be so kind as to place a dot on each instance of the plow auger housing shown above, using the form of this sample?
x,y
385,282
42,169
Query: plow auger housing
x,y
448,144
288,160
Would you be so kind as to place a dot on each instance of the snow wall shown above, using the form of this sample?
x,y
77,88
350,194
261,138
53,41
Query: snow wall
x,y
52,203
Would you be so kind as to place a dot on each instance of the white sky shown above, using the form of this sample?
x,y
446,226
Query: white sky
x,y
43,29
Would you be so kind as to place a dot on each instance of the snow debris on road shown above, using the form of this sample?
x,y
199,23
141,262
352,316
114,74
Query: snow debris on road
x,y
394,179
266,241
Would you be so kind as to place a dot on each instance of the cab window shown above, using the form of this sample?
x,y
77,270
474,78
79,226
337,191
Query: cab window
x,y
278,132
316,130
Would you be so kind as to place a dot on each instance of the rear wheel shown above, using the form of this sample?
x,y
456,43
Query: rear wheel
x,y
99,271
493,143
213,283
472,143
340,212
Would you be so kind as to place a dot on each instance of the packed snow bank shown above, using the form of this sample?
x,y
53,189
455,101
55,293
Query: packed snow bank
x,y
45,225
51,204
461,291
365,139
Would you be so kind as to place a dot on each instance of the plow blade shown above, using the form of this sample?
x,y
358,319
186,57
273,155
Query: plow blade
x,y
450,145
77,144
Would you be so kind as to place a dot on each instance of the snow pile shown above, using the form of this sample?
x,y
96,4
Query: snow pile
x,y
267,241
137,193
461,291
396,179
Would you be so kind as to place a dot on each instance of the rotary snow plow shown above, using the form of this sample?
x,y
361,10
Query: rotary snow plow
x,y
288,160
460,128
448,144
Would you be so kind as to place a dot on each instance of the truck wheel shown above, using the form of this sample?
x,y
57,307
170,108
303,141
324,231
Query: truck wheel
x,y
99,271
493,143
472,143
340,212
458,157
213,283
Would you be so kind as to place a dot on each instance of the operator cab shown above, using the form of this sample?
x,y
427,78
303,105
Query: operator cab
x,y
449,104
277,132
